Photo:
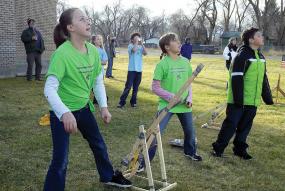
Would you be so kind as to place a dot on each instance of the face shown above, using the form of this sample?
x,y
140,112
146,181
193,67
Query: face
x,y
257,39
98,41
80,25
234,42
174,46
32,24
136,39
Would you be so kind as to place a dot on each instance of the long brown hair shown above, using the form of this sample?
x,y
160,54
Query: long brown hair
x,y
60,33
164,41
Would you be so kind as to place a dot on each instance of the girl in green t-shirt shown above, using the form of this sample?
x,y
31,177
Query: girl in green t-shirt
x,y
170,74
75,69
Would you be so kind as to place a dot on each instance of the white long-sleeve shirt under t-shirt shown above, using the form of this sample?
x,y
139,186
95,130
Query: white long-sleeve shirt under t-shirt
x,y
59,108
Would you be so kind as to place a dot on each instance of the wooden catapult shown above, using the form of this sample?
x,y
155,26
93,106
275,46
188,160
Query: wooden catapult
x,y
139,153
216,114
278,89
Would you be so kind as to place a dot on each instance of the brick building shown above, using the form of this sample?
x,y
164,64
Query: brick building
x,y
14,14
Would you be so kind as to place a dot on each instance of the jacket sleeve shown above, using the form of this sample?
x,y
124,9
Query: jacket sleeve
x,y
266,91
237,79
26,37
226,53
190,51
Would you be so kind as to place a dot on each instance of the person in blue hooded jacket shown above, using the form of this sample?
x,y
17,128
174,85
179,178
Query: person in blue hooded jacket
x,y
186,49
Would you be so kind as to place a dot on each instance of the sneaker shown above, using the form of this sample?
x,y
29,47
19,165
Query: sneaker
x,y
217,154
133,105
244,156
119,180
140,169
120,106
194,157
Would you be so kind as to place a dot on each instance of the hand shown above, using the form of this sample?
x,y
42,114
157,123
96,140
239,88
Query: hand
x,y
106,115
189,104
69,122
34,38
175,100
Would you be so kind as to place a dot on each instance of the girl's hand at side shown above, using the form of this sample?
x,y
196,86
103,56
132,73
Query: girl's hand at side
x,y
69,122
189,104
106,115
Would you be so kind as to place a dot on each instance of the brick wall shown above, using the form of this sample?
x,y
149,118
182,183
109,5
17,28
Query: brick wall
x,y
7,38
16,13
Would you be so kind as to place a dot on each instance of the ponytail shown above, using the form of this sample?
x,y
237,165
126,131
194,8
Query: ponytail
x,y
58,36
162,55
60,33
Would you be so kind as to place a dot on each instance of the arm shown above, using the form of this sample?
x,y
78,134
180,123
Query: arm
x,y
104,59
226,53
60,110
100,94
190,50
50,92
159,91
189,98
132,48
237,79
100,91
26,37
144,50
266,91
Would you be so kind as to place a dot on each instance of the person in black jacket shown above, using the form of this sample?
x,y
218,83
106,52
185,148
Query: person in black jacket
x,y
34,46
248,83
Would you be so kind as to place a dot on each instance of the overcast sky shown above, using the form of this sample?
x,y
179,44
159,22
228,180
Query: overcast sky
x,y
156,7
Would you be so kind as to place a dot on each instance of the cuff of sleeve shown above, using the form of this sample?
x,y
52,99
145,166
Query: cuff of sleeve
x,y
59,114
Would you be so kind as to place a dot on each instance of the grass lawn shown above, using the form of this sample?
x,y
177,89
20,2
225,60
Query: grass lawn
x,y
25,147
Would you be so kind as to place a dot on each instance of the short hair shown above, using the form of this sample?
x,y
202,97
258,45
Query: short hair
x,y
134,35
187,39
165,40
29,20
247,34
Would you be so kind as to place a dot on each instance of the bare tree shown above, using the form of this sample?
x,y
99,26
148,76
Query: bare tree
x,y
209,10
266,16
280,27
60,7
241,10
228,11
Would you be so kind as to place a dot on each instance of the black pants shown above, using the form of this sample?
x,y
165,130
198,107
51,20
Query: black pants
x,y
133,80
34,57
238,121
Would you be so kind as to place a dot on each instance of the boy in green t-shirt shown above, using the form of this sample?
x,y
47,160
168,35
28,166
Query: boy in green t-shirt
x,y
74,70
169,76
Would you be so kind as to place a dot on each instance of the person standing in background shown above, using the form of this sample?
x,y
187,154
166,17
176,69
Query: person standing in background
x,y
230,52
186,49
97,41
136,51
111,52
34,46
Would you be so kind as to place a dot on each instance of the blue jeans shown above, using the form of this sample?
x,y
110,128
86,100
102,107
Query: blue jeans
x,y
133,80
189,133
109,67
87,125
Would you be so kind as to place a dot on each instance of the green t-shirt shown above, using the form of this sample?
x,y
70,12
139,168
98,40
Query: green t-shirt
x,y
76,73
172,75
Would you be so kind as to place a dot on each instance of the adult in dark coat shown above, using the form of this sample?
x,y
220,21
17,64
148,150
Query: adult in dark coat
x,y
34,46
